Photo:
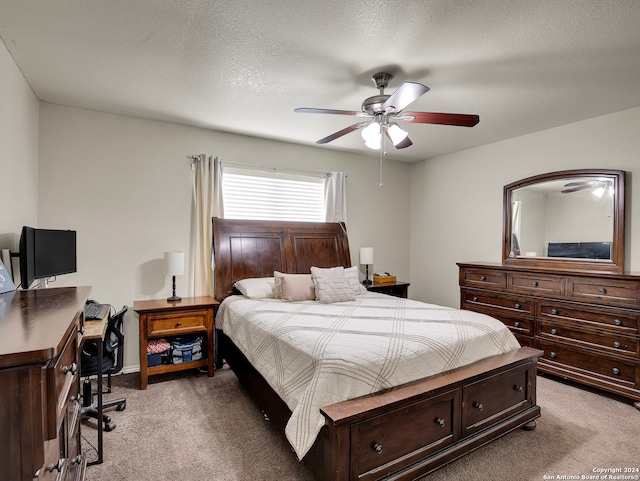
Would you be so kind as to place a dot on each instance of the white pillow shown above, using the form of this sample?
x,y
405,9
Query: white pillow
x,y
353,276
257,287
331,285
297,287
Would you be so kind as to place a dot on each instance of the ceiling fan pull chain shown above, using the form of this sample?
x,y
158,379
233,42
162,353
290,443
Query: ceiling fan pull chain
x,y
383,152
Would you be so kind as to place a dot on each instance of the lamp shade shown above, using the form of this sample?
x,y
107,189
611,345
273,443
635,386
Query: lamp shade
x,y
174,263
366,255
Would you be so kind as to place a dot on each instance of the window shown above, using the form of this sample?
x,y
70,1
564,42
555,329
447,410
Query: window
x,y
253,194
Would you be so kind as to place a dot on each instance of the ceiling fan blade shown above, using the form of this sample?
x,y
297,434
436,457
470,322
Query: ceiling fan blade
x,y
305,110
406,93
342,132
589,183
460,120
404,144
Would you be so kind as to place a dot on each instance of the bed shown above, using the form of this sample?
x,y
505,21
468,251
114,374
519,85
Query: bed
x,y
403,429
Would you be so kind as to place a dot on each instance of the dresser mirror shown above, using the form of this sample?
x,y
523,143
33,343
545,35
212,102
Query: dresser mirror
x,y
568,219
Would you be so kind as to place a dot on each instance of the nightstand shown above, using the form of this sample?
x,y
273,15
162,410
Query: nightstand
x,y
162,318
398,289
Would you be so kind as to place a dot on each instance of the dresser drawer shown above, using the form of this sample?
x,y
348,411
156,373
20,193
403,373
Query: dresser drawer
x,y
576,359
607,290
500,304
489,400
624,322
176,323
614,343
427,426
61,375
536,284
483,278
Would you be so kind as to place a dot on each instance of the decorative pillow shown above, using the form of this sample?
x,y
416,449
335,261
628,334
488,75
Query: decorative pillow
x,y
297,287
353,276
277,277
257,288
331,285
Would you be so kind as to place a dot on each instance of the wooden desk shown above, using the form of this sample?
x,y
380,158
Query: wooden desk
x,y
95,330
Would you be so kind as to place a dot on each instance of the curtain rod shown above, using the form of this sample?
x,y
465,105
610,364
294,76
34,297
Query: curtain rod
x,y
196,158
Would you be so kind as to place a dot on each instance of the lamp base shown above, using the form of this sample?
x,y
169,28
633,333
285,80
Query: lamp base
x,y
367,282
174,299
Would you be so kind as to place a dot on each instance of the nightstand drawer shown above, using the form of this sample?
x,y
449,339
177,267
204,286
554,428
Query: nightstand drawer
x,y
174,323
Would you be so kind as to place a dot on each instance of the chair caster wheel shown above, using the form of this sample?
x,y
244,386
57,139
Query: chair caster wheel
x,y
109,426
121,406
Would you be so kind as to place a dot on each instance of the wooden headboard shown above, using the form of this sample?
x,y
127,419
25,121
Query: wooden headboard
x,y
253,248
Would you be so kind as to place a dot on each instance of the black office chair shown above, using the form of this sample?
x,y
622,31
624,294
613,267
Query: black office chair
x,y
112,361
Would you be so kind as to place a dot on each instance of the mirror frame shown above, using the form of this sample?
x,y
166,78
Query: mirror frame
x,y
616,264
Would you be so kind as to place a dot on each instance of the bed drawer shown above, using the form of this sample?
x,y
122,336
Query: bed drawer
x,y
176,323
491,400
589,362
625,322
536,284
608,290
427,426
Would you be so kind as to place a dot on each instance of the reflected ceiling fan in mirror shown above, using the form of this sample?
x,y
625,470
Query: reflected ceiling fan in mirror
x,y
599,187
383,111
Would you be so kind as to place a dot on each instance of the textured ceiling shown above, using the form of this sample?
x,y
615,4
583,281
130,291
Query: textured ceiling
x,y
243,65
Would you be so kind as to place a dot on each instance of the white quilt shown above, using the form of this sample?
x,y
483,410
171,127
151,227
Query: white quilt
x,y
316,354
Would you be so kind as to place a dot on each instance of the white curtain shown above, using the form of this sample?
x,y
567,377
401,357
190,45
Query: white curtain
x,y
335,197
207,203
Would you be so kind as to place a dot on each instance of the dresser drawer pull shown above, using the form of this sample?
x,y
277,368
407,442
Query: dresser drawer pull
x,y
478,405
475,299
553,355
554,312
440,422
554,332
518,388
516,324
534,283
517,306
617,345
617,322
616,371
483,278
178,324
70,369
603,290
377,448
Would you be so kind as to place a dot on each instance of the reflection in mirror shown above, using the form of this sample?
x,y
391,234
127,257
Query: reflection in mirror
x,y
572,216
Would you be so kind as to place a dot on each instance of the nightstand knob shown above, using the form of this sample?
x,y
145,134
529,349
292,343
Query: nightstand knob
x,y
475,299
377,448
617,345
517,306
534,283
478,405
483,278
616,371
554,332
178,324
516,324
603,291
553,355
617,322
518,388
554,312
441,422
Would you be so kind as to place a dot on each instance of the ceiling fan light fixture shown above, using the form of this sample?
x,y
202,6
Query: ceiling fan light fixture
x,y
396,133
371,135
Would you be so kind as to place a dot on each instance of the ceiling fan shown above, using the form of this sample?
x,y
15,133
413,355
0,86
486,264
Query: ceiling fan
x,y
382,112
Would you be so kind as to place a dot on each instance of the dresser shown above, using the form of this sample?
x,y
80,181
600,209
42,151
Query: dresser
x,y
40,335
585,322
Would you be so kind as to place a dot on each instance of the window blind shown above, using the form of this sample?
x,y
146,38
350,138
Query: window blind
x,y
272,196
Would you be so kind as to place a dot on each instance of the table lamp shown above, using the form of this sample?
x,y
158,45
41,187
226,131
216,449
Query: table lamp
x,y
366,258
174,266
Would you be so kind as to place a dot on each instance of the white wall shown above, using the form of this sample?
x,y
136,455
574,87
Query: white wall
x,y
18,152
124,184
456,200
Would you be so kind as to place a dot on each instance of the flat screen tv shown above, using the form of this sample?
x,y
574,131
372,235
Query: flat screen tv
x,y
46,253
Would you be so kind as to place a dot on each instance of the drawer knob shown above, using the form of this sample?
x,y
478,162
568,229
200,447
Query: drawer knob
x,y
478,405
77,459
483,278
518,388
554,312
56,467
516,324
554,332
617,345
70,369
617,322
517,306
553,354
603,290
534,283
377,448
440,422
75,399
475,299
178,323
616,371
